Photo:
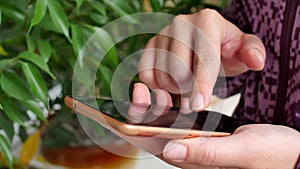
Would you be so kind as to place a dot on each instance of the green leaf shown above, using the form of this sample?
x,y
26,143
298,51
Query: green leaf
x,y
40,10
118,6
0,17
2,50
35,108
223,4
98,18
30,43
98,6
106,42
7,125
156,4
14,86
45,49
36,81
6,150
12,11
83,75
78,4
4,62
12,111
37,60
106,77
44,24
137,5
23,133
77,38
59,17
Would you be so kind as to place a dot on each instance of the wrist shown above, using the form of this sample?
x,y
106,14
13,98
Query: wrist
x,y
298,145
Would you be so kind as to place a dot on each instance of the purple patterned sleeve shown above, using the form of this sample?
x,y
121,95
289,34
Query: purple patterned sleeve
x,y
296,112
234,85
298,165
260,90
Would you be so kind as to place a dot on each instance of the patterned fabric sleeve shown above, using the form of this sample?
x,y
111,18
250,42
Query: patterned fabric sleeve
x,y
298,165
230,13
233,86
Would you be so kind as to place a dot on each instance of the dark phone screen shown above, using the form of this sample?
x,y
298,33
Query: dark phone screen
x,y
204,120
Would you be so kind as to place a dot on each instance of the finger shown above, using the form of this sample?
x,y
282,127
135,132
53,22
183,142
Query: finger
x,y
181,59
181,52
147,65
224,151
209,37
162,77
140,95
206,64
185,106
253,52
163,100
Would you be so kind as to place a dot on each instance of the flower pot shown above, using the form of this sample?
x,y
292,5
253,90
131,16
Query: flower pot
x,y
59,148
86,157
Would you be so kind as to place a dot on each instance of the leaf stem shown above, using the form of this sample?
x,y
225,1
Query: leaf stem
x,y
9,64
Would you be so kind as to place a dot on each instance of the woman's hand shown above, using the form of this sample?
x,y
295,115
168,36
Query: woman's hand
x,y
256,146
187,55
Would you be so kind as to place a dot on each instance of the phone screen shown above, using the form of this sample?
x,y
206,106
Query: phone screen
x,y
172,118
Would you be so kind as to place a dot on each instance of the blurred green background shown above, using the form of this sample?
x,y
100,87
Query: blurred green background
x,y
39,44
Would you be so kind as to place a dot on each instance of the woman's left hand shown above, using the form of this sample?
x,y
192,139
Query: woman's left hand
x,y
256,146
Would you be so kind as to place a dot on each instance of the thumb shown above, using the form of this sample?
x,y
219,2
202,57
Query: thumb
x,y
252,52
222,151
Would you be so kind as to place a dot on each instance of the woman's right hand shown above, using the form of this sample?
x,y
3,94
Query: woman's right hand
x,y
187,55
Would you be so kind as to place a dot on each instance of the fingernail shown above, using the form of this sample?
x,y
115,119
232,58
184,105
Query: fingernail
x,y
197,102
175,152
259,56
185,106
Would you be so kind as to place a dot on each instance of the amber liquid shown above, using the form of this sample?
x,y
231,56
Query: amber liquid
x,y
88,157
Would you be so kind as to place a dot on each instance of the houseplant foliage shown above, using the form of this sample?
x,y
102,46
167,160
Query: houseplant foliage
x,y
40,42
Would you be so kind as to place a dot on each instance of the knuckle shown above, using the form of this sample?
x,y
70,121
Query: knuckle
x,y
152,40
179,19
146,76
163,82
208,59
182,16
164,32
208,13
208,16
182,76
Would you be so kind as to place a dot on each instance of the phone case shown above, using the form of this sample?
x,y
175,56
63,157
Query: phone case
x,y
137,129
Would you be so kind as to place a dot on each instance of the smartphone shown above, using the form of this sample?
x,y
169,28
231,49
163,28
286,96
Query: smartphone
x,y
172,124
